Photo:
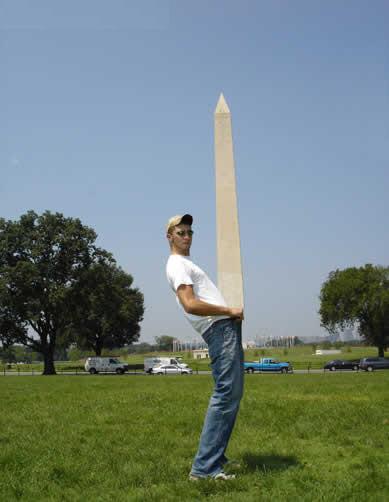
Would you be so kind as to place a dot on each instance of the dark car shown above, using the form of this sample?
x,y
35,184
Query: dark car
x,y
374,363
338,364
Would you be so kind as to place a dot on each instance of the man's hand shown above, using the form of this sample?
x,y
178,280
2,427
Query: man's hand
x,y
237,313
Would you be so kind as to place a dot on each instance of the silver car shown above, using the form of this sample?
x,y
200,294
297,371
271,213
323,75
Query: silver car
x,y
170,369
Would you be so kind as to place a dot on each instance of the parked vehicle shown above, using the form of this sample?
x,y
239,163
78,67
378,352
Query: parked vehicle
x,y
105,365
171,369
153,362
374,363
339,364
268,364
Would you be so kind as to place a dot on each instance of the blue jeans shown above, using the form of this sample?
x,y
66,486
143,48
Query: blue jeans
x,y
224,340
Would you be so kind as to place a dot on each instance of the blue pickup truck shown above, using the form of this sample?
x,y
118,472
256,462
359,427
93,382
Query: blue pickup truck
x,y
268,364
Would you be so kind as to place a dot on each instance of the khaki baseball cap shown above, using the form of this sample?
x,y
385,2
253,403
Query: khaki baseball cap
x,y
186,219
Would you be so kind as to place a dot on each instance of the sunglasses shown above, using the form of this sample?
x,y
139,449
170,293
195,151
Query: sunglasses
x,y
182,233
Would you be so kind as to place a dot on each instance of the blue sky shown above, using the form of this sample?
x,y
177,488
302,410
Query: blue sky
x,y
107,115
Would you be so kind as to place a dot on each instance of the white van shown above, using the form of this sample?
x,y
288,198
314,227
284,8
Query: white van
x,y
105,365
154,362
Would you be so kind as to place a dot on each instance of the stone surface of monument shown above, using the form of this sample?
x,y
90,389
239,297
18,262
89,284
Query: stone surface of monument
x,y
229,264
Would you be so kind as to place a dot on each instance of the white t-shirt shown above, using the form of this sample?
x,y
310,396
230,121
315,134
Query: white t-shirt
x,y
181,270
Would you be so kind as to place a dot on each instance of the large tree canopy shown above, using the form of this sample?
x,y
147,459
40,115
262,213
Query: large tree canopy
x,y
358,296
164,342
42,261
109,309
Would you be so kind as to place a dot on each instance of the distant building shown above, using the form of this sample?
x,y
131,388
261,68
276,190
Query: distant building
x,y
315,339
275,341
200,354
188,345
249,345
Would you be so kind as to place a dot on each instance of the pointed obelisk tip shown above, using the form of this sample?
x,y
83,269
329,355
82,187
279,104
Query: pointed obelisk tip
x,y
222,106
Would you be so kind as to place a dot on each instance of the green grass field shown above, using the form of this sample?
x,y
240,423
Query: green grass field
x,y
132,438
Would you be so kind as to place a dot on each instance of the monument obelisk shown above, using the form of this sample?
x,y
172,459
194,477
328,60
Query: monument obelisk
x,y
229,265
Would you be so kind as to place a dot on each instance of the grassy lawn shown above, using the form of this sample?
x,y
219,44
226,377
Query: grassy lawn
x,y
132,438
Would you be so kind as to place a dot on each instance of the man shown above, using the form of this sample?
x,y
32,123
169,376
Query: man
x,y
220,326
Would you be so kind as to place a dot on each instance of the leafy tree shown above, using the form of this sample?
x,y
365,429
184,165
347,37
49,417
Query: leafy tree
x,y
358,296
7,355
108,309
27,355
36,357
16,353
164,342
115,352
20,353
41,259
141,348
75,354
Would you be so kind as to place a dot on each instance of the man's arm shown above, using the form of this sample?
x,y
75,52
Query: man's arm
x,y
193,305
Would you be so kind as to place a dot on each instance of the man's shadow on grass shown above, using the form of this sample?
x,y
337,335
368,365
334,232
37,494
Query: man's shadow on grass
x,y
268,463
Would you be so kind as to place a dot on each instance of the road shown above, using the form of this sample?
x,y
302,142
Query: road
x,y
128,374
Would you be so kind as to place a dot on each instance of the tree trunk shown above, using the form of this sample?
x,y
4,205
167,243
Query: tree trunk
x,y
381,351
49,368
